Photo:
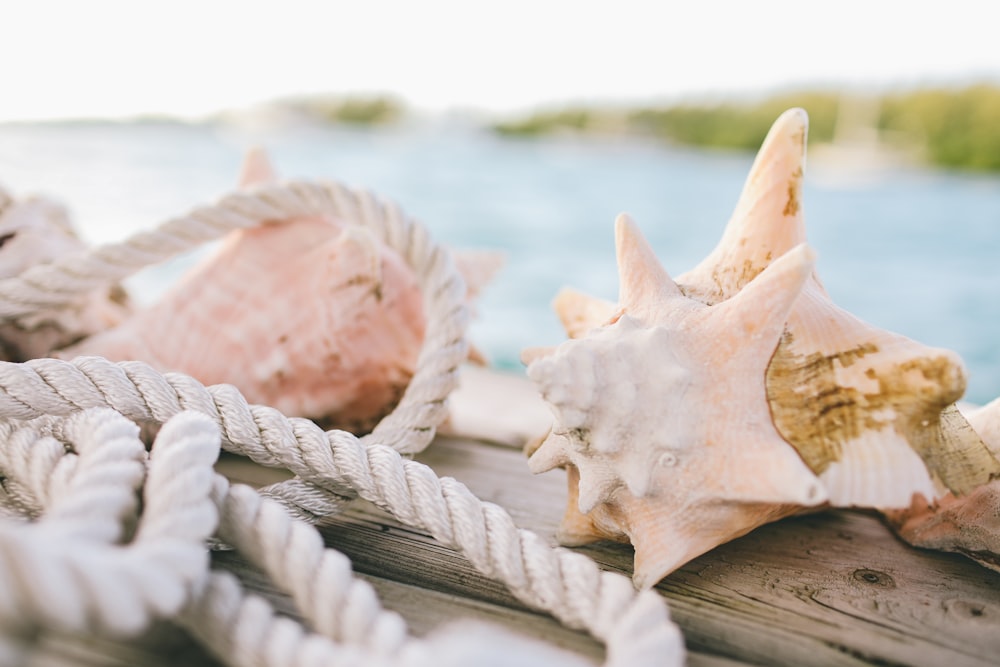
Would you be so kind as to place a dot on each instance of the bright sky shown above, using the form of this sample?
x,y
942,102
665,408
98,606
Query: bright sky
x,y
119,57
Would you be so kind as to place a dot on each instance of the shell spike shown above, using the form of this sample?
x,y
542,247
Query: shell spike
x,y
596,486
550,454
576,528
759,311
579,312
256,169
767,220
643,282
771,200
662,545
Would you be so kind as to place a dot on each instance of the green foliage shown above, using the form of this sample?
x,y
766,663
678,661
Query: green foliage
x,y
954,128
354,110
735,126
577,120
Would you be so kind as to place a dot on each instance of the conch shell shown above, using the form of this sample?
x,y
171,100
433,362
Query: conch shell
x,y
33,231
871,413
649,406
313,316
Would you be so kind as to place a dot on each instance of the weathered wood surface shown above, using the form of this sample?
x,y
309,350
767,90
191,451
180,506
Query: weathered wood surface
x,y
831,588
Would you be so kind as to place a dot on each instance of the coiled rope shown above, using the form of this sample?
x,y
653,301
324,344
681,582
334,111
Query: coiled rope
x,y
72,463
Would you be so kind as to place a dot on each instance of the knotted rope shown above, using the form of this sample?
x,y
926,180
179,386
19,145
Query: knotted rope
x,y
71,433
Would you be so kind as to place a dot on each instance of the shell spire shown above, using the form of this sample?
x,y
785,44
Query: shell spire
x,y
768,219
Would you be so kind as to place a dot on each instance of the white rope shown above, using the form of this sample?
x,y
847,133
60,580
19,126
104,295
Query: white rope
x,y
566,584
105,469
70,571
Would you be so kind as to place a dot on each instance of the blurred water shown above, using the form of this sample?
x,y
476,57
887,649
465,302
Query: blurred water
x,y
911,250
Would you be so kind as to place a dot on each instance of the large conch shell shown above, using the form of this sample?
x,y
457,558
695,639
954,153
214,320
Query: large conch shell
x,y
870,412
313,316
662,418
36,230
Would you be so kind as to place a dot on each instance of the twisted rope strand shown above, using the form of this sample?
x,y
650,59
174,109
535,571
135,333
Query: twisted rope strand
x,y
306,502
28,465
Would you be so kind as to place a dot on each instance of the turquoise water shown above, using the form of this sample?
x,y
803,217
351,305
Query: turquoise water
x,y
909,249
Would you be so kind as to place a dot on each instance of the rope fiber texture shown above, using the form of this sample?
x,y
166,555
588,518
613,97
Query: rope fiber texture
x,y
78,554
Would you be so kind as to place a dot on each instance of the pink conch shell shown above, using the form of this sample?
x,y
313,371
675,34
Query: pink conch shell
x,y
38,231
969,524
313,316
647,406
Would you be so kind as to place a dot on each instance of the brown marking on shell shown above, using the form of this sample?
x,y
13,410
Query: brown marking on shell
x,y
797,385
794,193
825,391
724,277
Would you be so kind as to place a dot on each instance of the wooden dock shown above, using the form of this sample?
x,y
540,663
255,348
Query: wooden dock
x,y
829,588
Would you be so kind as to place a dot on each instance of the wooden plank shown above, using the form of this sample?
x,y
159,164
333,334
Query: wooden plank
x,y
837,588
164,645
426,610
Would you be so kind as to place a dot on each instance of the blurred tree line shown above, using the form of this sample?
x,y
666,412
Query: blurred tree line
x,y
369,110
955,128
